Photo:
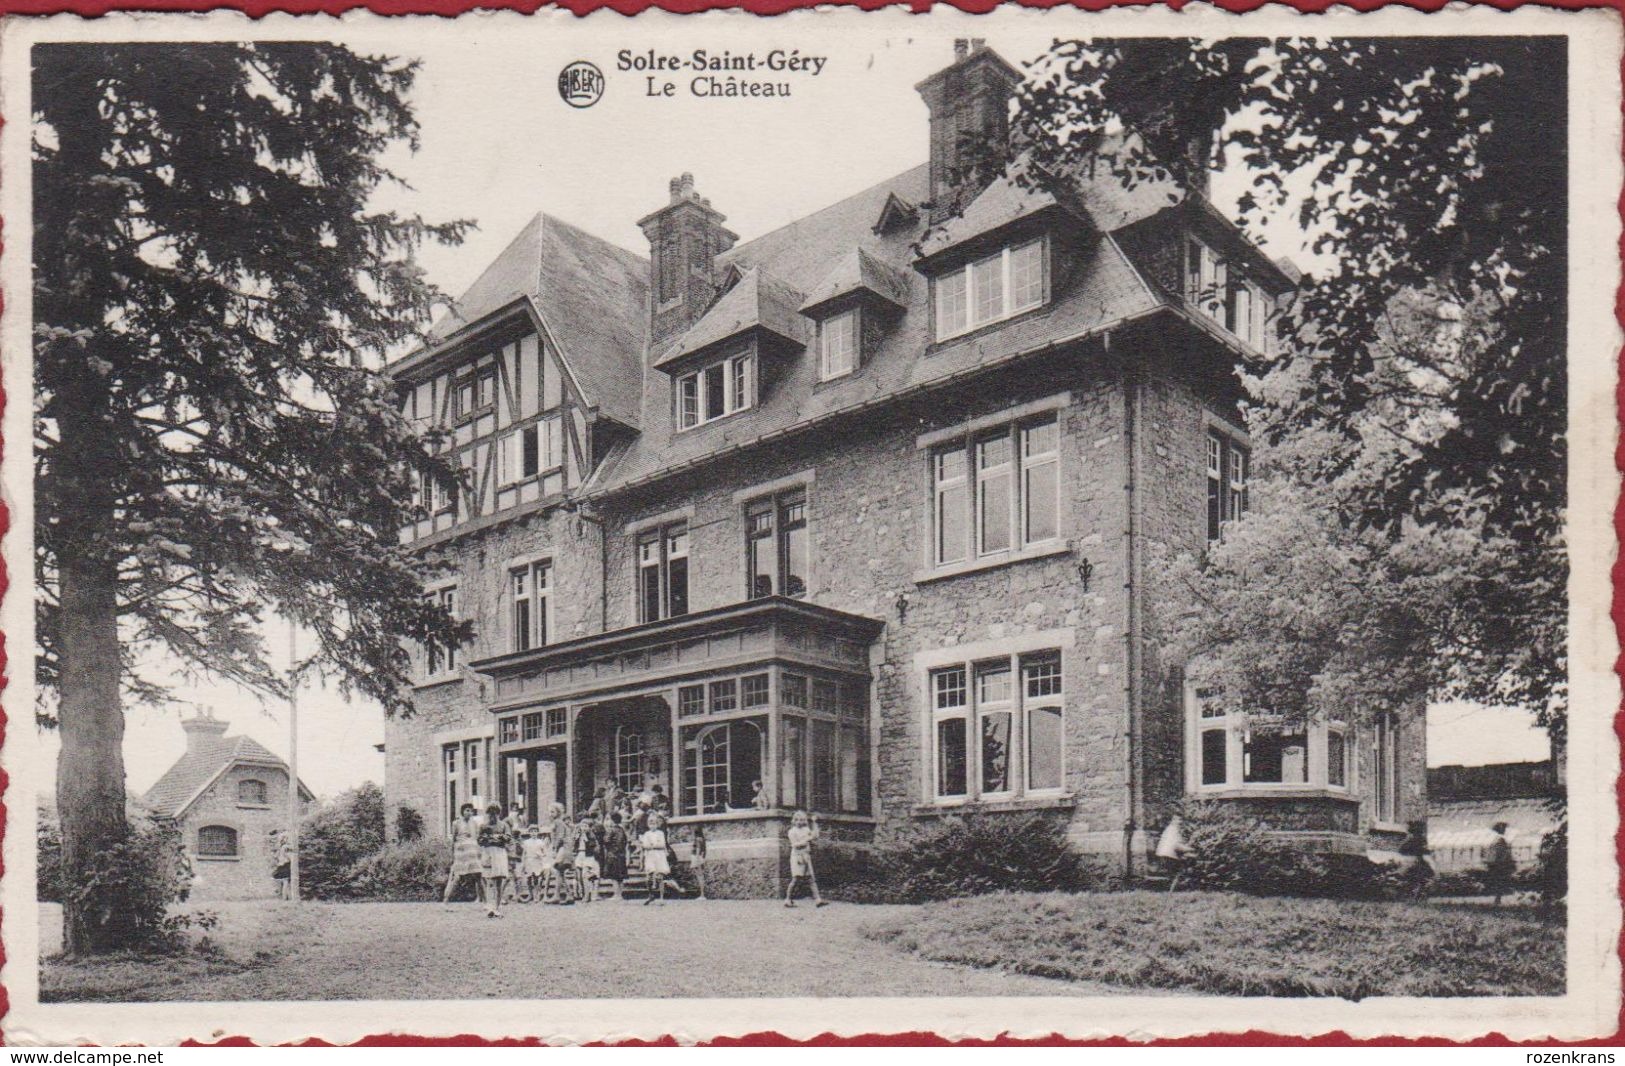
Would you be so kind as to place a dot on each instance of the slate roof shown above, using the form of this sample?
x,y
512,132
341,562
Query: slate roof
x,y
209,757
1105,291
590,294
858,271
757,301
1090,190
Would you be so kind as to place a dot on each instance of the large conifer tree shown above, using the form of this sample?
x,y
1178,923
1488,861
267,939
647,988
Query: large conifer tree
x,y
214,442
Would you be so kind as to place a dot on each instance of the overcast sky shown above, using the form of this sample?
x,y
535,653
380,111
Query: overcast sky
x,y
498,145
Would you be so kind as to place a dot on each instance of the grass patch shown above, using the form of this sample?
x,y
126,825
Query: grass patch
x,y
130,978
250,935
1228,944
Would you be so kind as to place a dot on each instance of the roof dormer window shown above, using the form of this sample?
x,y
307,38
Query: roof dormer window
x,y
838,345
721,389
989,289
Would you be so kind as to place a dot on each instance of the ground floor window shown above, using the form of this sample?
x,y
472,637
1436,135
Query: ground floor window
x,y
1385,760
722,765
464,774
998,727
217,842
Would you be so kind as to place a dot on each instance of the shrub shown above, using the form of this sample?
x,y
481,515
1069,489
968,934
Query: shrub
x,y
1231,851
1459,883
408,824
1552,866
965,856
129,886
336,837
48,847
406,871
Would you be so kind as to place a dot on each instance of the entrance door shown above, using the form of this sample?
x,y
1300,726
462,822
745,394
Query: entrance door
x,y
533,778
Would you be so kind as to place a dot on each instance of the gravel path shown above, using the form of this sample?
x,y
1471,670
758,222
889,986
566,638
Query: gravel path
x,y
724,948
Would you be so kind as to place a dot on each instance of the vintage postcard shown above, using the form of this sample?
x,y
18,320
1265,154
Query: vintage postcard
x,y
860,522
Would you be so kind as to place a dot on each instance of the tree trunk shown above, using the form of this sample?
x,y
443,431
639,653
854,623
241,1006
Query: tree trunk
x,y
90,768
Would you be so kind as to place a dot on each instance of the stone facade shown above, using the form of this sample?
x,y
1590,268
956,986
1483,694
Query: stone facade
x,y
247,874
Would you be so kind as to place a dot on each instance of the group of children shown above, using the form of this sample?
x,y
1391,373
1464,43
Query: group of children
x,y
560,862
513,859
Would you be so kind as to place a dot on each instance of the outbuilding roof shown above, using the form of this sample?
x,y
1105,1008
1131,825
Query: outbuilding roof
x,y
201,766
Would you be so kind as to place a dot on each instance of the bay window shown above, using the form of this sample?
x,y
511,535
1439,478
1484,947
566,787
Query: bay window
x,y
995,287
1011,502
721,389
1003,717
1239,750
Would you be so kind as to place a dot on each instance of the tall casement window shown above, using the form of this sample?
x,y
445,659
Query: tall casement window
x,y
438,658
464,763
721,389
529,588
776,545
1226,483
1385,760
838,345
1239,750
663,572
997,728
996,492
1218,289
1002,285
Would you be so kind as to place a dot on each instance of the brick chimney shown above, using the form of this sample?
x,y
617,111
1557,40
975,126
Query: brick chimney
x,y
203,731
685,238
969,104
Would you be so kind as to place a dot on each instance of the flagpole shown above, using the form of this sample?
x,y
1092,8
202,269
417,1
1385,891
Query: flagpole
x,y
293,762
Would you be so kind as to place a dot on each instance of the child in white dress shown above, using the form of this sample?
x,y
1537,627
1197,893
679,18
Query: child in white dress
x,y
535,855
656,861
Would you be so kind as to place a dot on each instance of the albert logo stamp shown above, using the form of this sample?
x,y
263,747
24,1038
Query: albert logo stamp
x,y
581,84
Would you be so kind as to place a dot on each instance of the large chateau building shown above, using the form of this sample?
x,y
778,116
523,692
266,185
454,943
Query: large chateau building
x,y
856,516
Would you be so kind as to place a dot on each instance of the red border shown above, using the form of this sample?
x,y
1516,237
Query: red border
x,y
768,1038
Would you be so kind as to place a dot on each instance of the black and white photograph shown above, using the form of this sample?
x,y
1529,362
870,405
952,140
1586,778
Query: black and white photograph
x,y
1082,524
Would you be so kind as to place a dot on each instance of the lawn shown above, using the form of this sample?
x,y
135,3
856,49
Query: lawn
x,y
1227,944
268,951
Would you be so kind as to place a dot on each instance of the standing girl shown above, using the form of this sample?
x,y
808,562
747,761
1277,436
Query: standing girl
x,y
493,841
614,860
801,835
465,853
656,861
282,864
